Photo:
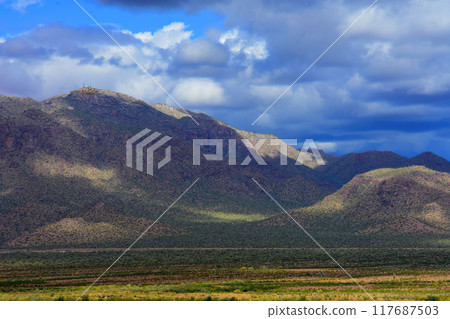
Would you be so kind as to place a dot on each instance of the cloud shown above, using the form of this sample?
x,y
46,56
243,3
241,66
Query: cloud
x,y
252,47
202,52
57,58
19,80
169,36
328,147
189,5
199,92
57,39
386,80
20,5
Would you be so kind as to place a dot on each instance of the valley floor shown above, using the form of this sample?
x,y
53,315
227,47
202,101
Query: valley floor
x,y
226,274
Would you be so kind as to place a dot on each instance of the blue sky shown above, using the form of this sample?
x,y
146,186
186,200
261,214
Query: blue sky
x,y
15,20
384,85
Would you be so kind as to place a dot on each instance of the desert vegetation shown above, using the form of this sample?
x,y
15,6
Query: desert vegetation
x,y
226,274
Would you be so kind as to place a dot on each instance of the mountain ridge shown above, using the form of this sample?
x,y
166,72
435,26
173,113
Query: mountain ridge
x,y
64,155
411,200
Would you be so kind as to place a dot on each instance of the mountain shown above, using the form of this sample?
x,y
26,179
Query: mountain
x,y
342,169
432,161
110,118
64,155
410,200
64,180
15,105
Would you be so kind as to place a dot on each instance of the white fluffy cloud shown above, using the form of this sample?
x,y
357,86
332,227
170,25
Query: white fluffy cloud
x,y
239,42
53,67
199,92
168,37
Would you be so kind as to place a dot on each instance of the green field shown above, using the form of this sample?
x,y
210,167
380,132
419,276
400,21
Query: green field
x,y
226,274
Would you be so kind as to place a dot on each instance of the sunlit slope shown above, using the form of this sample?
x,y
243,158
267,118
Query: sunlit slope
x,y
409,200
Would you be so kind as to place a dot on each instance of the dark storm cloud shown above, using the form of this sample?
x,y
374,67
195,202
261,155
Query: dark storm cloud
x,y
189,5
404,96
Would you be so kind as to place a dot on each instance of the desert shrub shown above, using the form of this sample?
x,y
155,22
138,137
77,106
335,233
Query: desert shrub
x,y
432,298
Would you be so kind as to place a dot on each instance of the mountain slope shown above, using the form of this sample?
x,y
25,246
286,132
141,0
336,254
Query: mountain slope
x,y
432,161
111,118
11,105
60,157
101,224
411,200
342,169
63,180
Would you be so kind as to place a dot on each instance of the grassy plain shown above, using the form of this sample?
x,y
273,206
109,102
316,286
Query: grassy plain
x,y
226,274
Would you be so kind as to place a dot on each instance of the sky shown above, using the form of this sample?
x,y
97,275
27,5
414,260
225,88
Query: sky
x,y
385,85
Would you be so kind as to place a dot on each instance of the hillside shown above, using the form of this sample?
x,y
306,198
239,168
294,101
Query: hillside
x,y
64,180
62,156
101,223
341,170
411,200
432,161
